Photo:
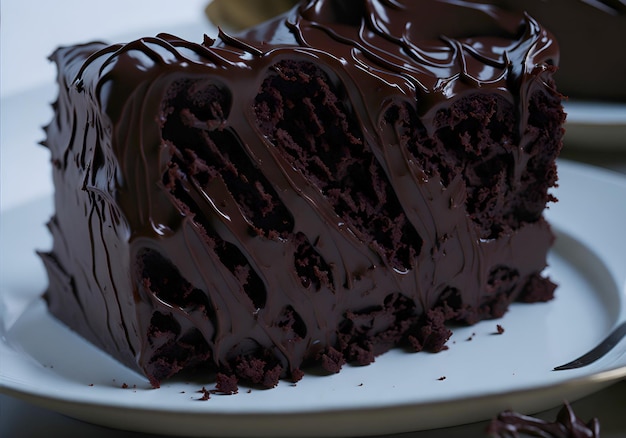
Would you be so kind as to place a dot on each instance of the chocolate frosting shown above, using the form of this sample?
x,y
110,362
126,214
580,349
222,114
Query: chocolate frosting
x,y
195,222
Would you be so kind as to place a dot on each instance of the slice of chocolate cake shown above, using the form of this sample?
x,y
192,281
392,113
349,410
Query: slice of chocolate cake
x,y
314,191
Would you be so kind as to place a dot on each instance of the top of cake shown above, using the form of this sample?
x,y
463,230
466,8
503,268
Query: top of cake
x,y
588,31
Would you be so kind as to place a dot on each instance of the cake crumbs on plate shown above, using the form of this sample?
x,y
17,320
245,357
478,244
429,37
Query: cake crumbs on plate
x,y
206,394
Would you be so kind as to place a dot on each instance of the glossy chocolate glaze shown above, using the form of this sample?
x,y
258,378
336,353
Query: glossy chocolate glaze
x,y
196,225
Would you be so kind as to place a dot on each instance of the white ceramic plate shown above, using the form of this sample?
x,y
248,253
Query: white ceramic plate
x,y
595,125
46,364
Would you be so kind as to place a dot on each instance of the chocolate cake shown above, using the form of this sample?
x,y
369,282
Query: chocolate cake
x,y
592,67
347,178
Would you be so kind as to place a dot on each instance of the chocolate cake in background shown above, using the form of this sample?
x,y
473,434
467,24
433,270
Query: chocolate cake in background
x,y
314,191
591,35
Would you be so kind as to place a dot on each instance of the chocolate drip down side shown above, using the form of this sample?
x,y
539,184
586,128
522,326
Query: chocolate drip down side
x,y
310,192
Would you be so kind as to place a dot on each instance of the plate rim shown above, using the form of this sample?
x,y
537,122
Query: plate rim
x,y
267,424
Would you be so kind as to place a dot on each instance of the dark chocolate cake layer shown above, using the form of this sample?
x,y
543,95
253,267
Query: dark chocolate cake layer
x,y
315,191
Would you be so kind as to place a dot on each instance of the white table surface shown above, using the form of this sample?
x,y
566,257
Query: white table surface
x,y
30,31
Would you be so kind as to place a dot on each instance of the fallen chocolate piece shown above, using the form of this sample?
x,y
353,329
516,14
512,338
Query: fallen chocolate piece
x,y
510,424
590,33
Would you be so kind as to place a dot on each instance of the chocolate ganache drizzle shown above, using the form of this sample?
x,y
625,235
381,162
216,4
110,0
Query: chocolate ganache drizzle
x,y
318,189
